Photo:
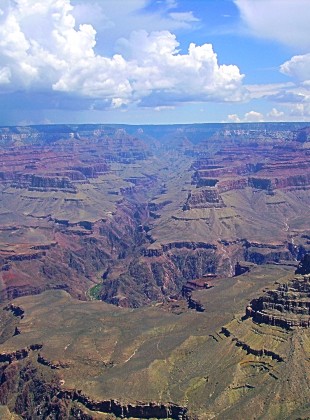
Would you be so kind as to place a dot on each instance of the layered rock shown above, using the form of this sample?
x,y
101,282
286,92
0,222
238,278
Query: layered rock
x,y
284,166
204,198
286,307
142,410
109,210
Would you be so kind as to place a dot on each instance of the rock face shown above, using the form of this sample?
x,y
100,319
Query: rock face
x,y
289,305
147,411
187,290
304,265
158,276
204,198
19,354
241,269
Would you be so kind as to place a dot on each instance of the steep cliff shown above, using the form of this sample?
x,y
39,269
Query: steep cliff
x,y
289,305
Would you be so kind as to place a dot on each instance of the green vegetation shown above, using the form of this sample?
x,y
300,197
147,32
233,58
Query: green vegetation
x,y
94,292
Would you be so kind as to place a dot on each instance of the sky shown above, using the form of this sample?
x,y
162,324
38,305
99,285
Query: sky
x,y
154,61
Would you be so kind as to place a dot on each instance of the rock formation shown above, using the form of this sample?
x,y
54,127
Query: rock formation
x,y
289,305
304,265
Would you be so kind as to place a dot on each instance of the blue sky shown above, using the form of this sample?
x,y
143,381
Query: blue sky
x,y
154,61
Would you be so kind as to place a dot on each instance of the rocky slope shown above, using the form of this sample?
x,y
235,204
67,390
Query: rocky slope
x,y
94,361
289,305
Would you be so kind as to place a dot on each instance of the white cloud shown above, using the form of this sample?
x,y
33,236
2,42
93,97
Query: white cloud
x,y
183,17
92,13
38,41
253,116
290,112
275,115
233,118
284,94
298,67
266,90
41,47
294,96
286,21
5,76
163,108
289,96
295,92
300,111
171,4
116,19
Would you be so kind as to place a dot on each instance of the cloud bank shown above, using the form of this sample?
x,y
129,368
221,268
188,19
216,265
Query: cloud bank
x,y
254,116
43,49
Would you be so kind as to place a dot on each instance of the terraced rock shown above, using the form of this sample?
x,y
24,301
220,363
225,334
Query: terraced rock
x,y
289,305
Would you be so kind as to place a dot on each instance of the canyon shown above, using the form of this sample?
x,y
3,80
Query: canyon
x,y
96,210
132,256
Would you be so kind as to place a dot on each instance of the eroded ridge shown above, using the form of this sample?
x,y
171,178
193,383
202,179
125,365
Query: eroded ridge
x,y
289,305
140,410
19,354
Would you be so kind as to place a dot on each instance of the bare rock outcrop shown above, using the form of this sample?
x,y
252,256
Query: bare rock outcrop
x,y
204,198
19,354
288,306
138,410
304,265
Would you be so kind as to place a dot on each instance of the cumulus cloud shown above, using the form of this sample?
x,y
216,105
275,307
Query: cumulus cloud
x,y
254,116
295,96
118,18
296,91
298,67
251,116
275,115
234,118
289,112
285,21
38,41
41,47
